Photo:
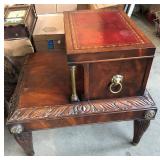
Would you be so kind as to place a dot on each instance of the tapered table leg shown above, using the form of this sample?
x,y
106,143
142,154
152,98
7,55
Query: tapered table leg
x,y
140,126
24,138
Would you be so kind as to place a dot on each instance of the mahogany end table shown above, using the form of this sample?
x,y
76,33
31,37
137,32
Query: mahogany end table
x,y
41,101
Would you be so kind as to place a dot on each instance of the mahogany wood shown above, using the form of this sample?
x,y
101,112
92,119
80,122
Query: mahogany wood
x,y
42,97
43,117
100,75
24,139
42,101
10,81
140,126
108,43
76,48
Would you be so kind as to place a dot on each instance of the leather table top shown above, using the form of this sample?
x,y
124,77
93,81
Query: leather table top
x,y
100,29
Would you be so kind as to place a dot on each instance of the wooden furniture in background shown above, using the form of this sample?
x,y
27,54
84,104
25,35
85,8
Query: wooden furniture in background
x,y
19,21
49,33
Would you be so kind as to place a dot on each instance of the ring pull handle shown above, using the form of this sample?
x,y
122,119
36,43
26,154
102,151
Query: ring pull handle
x,y
116,82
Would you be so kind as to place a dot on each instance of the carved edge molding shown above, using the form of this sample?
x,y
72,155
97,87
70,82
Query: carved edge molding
x,y
14,99
86,108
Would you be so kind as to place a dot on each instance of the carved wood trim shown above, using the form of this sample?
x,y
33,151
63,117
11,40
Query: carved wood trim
x,y
14,99
85,108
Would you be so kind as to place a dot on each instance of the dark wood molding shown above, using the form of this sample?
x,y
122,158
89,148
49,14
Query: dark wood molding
x,y
24,139
88,108
14,99
140,126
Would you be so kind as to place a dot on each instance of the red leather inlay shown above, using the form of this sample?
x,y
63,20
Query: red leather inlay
x,y
102,29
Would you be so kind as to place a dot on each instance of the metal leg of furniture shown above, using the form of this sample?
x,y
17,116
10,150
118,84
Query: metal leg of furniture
x,y
140,126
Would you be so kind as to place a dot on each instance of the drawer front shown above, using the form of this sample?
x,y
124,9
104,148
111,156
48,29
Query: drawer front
x,y
102,85
50,44
18,31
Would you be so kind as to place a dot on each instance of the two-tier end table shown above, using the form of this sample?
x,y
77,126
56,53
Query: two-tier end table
x,y
101,77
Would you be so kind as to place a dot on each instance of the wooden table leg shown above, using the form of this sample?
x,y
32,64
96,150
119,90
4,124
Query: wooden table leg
x,y
140,126
23,138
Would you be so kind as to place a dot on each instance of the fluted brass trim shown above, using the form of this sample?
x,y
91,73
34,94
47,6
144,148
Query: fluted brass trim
x,y
74,96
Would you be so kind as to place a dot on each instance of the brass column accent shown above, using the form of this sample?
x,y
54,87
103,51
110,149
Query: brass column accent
x,y
74,97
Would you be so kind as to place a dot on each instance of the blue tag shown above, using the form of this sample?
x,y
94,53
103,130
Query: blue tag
x,y
50,44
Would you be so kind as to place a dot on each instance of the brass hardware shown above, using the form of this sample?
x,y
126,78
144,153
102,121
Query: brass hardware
x,y
59,42
150,114
16,129
74,97
116,81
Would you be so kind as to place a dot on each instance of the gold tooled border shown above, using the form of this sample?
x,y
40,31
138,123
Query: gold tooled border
x,y
75,40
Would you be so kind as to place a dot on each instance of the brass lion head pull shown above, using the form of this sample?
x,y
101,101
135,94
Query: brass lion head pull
x,y
116,82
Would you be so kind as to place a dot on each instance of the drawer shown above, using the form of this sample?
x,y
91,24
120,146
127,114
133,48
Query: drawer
x,y
50,44
18,31
99,83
